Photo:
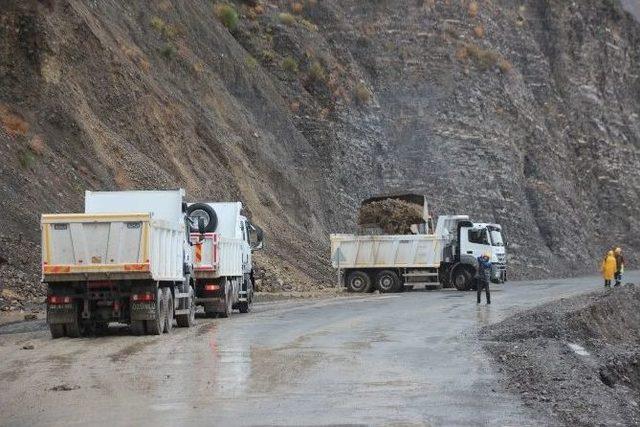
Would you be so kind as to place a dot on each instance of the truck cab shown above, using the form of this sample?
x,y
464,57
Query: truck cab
x,y
464,242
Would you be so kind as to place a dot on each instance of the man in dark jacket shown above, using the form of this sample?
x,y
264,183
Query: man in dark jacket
x,y
619,265
484,276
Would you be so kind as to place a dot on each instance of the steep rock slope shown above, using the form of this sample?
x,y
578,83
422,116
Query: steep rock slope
x,y
525,113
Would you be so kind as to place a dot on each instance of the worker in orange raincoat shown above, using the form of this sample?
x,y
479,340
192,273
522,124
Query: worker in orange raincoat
x,y
608,269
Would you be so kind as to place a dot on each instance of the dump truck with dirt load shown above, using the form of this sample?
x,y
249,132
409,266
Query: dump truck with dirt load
x,y
444,256
222,243
126,259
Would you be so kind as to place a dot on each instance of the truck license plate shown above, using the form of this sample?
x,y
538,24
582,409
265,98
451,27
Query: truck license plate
x,y
60,307
143,306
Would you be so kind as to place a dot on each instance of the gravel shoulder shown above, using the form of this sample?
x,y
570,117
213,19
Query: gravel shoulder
x,y
577,359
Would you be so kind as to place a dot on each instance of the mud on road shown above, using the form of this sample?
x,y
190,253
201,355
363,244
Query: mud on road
x,y
577,359
412,358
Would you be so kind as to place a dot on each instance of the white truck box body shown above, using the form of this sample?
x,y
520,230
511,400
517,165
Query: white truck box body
x,y
220,253
112,240
386,251
163,205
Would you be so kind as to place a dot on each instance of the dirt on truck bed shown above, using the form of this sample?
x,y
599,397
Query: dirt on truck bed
x,y
577,359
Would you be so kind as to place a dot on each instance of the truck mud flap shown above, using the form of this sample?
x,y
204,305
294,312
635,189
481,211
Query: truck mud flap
x,y
61,313
143,310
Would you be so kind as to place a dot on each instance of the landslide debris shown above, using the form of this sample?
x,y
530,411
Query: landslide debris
x,y
391,215
577,359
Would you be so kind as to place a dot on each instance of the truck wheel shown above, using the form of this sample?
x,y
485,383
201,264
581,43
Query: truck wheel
x,y
358,281
462,279
74,329
244,307
187,320
57,330
226,312
387,281
136,327
156,326
168,301
206,212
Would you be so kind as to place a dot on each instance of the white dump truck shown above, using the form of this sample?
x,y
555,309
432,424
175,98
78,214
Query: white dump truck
x,y
223,240
126,259
444,257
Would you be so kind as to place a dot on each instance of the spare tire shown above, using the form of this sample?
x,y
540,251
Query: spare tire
x,y
204,211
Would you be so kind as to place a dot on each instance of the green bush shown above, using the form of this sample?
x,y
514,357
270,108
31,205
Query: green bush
x,y
362,94
168,51
287,18
26,159
227,16
316,72
290,65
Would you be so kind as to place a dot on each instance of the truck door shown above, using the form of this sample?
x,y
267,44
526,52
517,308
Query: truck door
x,y
474,241
246,248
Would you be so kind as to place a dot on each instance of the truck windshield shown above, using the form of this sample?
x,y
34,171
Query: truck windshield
x,y
496,238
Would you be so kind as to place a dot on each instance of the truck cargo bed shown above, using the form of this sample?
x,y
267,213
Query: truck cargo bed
x,y
109,246
386,251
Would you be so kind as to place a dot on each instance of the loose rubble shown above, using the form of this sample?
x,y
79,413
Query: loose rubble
x,y
577,359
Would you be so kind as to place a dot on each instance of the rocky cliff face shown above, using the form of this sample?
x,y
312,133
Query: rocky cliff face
x,y
525,114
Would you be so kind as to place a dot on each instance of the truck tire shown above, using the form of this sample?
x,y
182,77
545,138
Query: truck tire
x,y
168,303
462,279
206,212
156,326
188,320
358,282
244,307
387,282
227,309
74,329
57,330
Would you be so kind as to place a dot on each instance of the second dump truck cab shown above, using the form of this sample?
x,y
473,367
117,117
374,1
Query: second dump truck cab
x,y
445,256
223,241
126,259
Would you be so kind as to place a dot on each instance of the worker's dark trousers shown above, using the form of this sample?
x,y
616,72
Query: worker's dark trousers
x,y
618,277
480,285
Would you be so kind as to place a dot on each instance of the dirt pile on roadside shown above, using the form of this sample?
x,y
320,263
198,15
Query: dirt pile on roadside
x,y
393,216
577,359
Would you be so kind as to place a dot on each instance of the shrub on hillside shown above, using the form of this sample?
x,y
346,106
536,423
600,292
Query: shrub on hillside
x,y
316,72
287,19
13,123
296,8
227,16
362,94
290,65
168,51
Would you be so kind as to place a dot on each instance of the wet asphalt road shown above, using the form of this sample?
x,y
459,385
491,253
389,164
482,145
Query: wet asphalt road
x,y
409,359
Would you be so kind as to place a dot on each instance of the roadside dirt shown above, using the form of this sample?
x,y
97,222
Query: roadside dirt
x,y
577,359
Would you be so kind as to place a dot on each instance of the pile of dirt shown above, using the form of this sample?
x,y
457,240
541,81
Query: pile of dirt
x,y
393,216
577,359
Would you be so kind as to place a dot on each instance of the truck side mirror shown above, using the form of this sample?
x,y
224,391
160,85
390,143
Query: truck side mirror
x,y
200,225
